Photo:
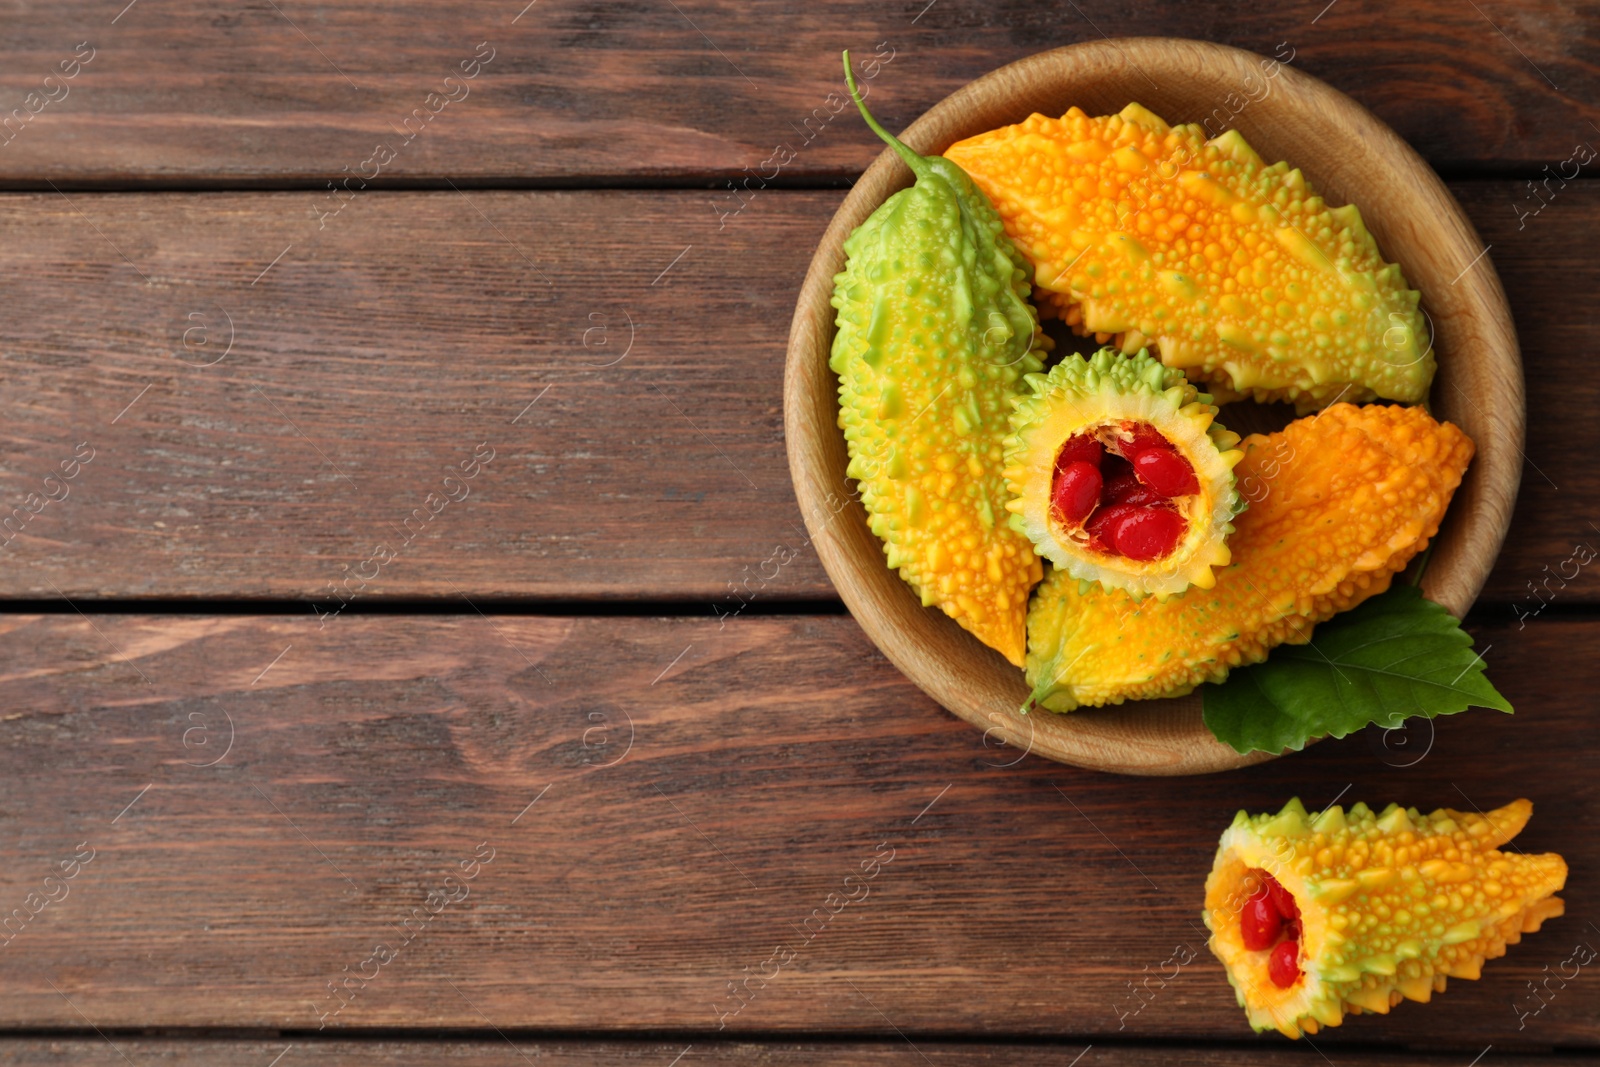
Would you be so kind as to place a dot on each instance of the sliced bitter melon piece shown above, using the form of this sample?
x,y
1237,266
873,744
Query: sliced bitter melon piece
x,y
1339,502
1375,908
1120,474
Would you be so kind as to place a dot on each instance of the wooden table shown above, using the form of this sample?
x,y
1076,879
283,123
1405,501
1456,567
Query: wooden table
x,y
589,740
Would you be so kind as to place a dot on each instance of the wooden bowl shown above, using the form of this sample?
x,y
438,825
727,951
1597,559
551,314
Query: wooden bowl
x,y
1348,155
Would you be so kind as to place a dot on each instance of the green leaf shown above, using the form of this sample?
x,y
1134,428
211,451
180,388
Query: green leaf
x,y
1394,656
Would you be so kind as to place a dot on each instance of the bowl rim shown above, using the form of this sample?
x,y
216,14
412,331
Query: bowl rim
x,y
1469,316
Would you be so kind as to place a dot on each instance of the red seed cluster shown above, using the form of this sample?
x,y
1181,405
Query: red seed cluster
x,y
1123,498
1267,916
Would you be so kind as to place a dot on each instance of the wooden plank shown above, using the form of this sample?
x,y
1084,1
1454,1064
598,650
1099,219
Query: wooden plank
x,y
371,356
659,805
1538,257
624,386
298,92
504,1052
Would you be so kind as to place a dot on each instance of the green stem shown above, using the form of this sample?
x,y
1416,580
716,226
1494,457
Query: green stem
x,y
1048,676
917,164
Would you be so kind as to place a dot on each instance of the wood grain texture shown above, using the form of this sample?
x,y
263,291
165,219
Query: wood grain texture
x,y
411,328
368,361
769,761
492,1051
218,93
273,384
1539,259
1348,156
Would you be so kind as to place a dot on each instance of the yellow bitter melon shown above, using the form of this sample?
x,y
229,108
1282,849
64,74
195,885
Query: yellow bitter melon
x,y
1385,906
1103,418
1338,503
1234,271
935,334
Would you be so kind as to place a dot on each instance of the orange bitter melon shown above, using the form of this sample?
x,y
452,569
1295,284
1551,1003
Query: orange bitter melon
x,y
1316,915
1338,503
1234,271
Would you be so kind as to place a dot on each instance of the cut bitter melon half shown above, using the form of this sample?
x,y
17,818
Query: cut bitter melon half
x,y
1233,270
1339,502
1120,474
1319,915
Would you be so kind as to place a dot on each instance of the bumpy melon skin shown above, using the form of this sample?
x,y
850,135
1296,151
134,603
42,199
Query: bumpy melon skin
x,y
1235,271
1391,905
935,335
1339,502
1084,396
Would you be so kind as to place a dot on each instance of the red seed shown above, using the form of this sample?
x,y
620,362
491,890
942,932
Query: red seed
x,y
1145,497
1145,437
1100,527
1166,472
1080,448
1259,923
1283,966
1077,492
1146,533
1119,479
1282,899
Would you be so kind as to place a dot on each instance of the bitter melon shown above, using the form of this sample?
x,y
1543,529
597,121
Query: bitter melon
x,y
1121,475
1319,915
1338,503
1234,271
935,335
